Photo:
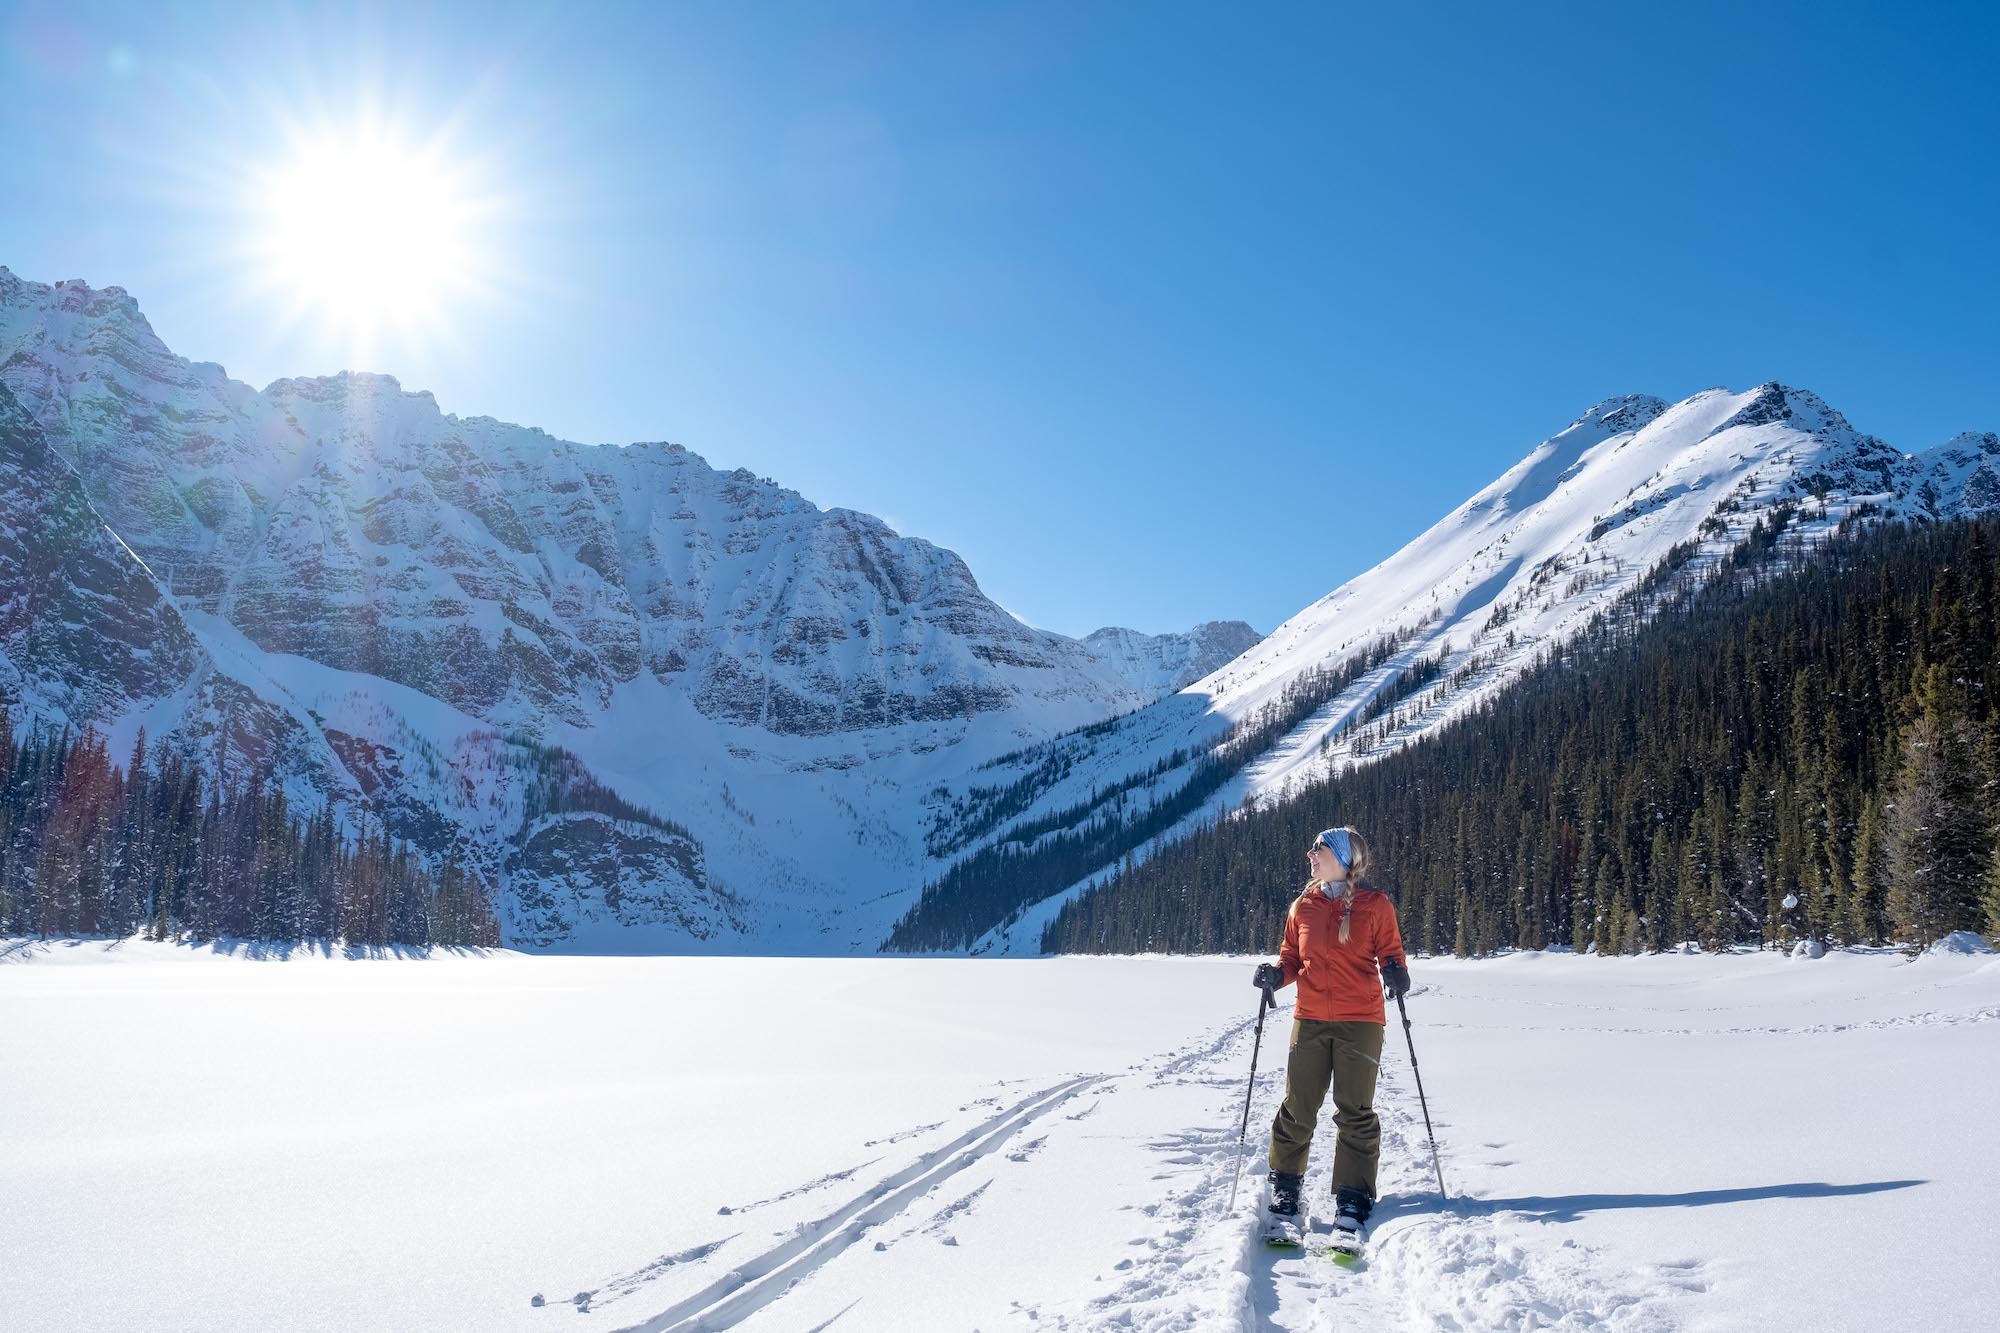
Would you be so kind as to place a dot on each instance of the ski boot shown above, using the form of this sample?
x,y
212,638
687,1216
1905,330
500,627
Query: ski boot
x,y
1350,1219
1284,1221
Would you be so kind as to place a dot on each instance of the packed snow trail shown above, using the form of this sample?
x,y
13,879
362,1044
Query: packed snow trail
x,y
1429,1264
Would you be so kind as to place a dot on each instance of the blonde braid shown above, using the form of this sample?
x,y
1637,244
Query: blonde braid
x,y
1357,877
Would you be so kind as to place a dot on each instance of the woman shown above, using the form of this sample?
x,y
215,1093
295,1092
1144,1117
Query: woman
x,y
1339,931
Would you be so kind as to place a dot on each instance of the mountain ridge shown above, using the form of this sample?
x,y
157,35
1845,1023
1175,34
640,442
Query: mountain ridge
x,y
709,642
405,608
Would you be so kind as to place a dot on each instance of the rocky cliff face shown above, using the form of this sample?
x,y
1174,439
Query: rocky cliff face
x,y
1160,664
516,576
84,629
372,581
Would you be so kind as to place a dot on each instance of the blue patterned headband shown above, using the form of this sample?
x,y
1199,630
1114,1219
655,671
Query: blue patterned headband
x,y
1335,840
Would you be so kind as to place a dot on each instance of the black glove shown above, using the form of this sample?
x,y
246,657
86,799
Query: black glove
x,y
1395,980
1269,976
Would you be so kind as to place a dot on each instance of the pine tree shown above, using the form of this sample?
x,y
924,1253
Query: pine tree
x,y
1604,927
1990,898
1869,922
1939,842
1753,839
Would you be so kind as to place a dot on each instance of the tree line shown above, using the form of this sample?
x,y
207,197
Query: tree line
x,y
90,848
1044,855
1789,749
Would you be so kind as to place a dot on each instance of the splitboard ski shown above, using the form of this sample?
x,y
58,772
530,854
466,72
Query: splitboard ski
x,y
1285,1233
1285,1230
1343,1247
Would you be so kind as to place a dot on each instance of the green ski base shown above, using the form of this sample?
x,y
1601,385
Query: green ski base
x,y
1345,1258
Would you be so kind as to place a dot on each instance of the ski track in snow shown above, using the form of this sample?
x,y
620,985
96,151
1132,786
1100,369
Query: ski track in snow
x,y
1458,1265
1465,1264
1461,1265
755,1282
838,1315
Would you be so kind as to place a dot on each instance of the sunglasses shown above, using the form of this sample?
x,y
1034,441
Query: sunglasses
x,y
1322,842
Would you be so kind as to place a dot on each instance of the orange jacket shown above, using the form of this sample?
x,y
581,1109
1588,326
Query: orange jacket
x,y
1338,981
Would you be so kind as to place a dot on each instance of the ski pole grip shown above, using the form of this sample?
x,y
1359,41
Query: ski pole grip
x,y
1270,1000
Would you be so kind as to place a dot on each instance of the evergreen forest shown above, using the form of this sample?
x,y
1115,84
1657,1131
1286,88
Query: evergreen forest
x,y
1046,855
90,848
1801,748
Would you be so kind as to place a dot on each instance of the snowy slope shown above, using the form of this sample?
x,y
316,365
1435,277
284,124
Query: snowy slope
x,y
1569,533
418,605
1647,1143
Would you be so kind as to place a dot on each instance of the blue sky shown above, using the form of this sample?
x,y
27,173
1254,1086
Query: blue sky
x,y
1155,313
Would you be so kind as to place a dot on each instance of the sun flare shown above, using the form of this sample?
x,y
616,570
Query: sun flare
x,y
369,235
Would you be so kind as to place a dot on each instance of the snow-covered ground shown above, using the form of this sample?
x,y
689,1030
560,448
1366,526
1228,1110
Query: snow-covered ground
x,y
191,1141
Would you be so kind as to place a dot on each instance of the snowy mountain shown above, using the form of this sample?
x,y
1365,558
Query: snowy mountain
x,y
510,574
1960,476
665,706
421,608
1594,521
1160,664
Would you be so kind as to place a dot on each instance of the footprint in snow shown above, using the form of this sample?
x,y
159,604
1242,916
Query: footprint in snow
x,y
831,1178
627,1283
902,1134
937,1225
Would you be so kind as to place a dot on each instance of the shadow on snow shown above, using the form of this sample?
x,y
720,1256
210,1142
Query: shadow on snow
x,y
1570,1207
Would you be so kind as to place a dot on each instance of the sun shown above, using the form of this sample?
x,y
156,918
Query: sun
x,y
370,235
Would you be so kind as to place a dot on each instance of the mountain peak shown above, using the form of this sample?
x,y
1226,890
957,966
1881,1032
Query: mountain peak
x,y
1625,412
349,380
1776,404
349,389
1972,442
72,296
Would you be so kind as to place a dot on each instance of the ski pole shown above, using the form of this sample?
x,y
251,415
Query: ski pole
x,y
1420,1096
1265,1003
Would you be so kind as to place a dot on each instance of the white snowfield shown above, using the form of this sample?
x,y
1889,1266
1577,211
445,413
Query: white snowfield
x,y
514,1143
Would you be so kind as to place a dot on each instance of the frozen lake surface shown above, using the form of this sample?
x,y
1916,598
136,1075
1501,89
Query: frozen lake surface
x,y
194,1141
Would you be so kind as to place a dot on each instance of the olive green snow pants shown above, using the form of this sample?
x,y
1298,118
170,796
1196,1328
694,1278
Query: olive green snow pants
x,y
1347,1055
